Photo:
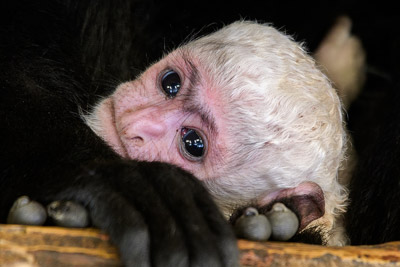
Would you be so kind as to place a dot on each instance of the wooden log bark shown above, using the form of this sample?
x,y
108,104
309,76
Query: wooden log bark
x,y
55,246
301,255
29,246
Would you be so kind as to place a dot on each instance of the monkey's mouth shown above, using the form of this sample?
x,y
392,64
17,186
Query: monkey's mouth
x,y
306,201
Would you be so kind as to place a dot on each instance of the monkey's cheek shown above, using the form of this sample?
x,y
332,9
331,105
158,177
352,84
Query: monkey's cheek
x,y
154,151
103,123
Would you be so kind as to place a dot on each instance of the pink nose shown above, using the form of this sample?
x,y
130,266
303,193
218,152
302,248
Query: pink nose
x,y
142,126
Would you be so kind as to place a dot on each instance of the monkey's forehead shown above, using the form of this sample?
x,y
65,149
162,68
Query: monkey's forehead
x,y
250,64
273,91
246,52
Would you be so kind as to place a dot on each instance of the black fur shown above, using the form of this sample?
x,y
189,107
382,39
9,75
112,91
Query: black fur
x,y
56,58
374,211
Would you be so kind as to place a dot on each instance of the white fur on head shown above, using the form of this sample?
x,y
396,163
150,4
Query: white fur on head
x,y
285,116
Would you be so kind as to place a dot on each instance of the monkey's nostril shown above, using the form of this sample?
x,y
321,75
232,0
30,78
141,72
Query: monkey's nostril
x,y
137,141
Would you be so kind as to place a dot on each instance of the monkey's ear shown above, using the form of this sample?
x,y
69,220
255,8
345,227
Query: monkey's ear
x,y
306,200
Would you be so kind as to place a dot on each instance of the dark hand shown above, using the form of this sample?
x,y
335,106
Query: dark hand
x,y
157,214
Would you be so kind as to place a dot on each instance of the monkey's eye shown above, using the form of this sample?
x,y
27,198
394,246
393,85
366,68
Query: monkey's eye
x,y
171,83
192,145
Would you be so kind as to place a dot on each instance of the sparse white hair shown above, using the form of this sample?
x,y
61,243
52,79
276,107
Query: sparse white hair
x,y
284,114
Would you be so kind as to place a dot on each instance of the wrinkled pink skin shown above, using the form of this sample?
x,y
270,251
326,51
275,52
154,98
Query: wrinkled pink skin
x,y
139,122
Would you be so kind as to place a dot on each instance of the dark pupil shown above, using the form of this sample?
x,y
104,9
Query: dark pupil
x,y
193,143
171,83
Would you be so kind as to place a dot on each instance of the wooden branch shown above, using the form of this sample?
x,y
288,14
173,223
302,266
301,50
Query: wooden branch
x,y
54,246
301,255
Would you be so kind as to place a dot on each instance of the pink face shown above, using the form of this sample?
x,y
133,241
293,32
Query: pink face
x,y
167,115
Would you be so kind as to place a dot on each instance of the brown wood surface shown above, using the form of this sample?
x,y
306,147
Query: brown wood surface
x,y
26,246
